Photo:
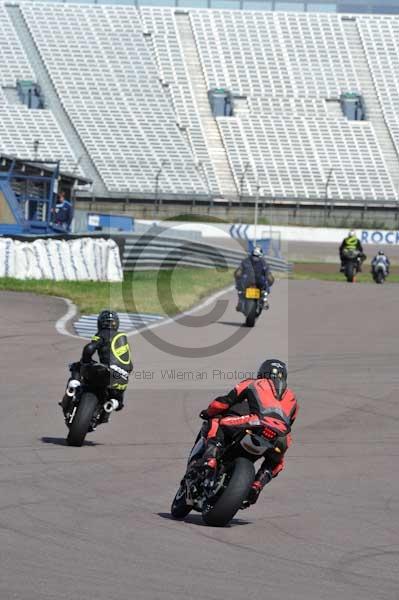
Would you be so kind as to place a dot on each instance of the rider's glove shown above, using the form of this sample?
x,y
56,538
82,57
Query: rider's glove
x,y
204,415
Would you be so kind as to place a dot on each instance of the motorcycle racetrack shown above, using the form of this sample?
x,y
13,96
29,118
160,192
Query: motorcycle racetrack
x,y
94,522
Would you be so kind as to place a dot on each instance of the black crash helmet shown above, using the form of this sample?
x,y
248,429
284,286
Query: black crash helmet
x,y
276,370
108,319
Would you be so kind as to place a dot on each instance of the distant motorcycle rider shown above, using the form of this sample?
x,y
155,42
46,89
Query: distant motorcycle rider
x,y
253,270
351,242
113,350
267,395
380,258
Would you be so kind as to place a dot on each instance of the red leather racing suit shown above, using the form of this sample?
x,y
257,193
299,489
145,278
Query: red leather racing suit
x,y
257,398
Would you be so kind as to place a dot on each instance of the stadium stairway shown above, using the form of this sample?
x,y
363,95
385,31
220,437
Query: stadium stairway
x,y
52,101
374,112
216,148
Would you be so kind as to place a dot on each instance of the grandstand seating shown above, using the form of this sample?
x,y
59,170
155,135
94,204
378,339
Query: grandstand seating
x,y
108,81
171,64
278,105
20,128
292,156
120,73
272,54
288,137
380,38
13,61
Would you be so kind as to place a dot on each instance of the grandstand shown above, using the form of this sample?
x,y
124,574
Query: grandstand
x,y
125,101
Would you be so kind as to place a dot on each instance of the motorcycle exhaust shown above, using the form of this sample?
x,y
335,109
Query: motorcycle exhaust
x,y
111,405
72,386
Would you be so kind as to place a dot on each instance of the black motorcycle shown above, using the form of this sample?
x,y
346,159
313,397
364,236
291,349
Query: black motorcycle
x,y
218,496
252,303
379,271
90,403
352,263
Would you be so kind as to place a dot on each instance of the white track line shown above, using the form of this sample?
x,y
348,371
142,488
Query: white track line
x,y
183,314
72,311
61,323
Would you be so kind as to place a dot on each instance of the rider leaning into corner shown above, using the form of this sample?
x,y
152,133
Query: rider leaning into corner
x,y
253,399
351,242
113,351
253,270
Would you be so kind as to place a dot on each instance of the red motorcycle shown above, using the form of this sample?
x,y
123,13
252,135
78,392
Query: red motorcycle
x,y
219,496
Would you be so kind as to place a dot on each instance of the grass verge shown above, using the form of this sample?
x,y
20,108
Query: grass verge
x,y
165,292
329,272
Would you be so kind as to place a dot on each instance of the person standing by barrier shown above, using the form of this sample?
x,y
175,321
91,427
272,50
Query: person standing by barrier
x,y
63,211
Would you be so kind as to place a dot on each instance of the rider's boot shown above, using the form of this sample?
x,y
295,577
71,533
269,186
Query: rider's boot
x,y
239,303
211,455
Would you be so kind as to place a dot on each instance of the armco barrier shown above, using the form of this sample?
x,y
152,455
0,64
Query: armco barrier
x,y
149,252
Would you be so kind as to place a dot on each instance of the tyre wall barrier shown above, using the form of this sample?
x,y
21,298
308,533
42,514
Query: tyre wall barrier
x,y
90,259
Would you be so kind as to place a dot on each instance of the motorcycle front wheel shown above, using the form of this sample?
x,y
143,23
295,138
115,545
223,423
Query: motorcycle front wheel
x,y
180,508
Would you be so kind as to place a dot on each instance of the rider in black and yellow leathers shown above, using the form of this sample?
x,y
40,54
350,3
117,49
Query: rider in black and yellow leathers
x,y
351,242
113,350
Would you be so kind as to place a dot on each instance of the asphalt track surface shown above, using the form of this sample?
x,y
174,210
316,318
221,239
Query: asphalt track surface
x,y
93,522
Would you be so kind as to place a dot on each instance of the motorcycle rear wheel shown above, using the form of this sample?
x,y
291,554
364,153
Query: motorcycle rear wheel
x,y
380,277
251,314
227,505
350,272
82,419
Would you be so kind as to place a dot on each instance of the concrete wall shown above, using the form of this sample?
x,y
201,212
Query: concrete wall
x,y
283,215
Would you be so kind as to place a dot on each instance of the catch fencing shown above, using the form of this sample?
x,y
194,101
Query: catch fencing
x,y
148,252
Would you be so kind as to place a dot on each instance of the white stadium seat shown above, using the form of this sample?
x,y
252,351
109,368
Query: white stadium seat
x,y
121,76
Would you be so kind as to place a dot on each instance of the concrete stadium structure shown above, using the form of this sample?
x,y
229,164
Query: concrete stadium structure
x,y
125,96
